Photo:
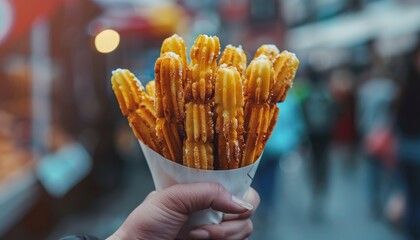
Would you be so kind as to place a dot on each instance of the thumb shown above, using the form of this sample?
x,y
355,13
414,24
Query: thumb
x,y
189,198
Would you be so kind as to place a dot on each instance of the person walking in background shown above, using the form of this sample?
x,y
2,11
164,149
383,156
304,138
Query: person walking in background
x,y
320,114
341,86
375,98
408,147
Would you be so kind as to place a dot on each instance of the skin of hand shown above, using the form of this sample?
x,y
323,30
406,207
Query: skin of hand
x,y
162,214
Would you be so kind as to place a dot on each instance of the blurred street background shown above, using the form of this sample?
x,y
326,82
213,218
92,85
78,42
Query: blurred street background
x,y
343,161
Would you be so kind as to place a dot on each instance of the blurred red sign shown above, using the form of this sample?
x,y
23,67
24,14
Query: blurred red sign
x,y
17,16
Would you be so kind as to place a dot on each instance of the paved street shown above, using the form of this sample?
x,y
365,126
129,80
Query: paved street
x,y
347,216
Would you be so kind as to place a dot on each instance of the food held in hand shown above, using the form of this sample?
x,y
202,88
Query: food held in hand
x,y
235,57
176,45
202,69
198,144
229,103
285,66
206,115
269,50
169,104
137,106
150,89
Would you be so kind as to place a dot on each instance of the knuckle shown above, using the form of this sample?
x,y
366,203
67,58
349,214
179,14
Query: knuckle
x,y
218,188
217,233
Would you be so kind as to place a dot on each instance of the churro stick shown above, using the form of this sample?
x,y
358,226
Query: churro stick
x,y
229,117
169,104
199,92
176,45
169,89
269,50
199,136
169,139
256,133
143,124
202,68
198,155
285,66
235,57
150,89
267,129
137,106
258,83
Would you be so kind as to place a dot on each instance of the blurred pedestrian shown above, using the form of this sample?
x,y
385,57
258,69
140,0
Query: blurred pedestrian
x,y
408,148
319,110
341,84
375,98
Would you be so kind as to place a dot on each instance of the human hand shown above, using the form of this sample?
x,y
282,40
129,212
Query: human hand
x,y
162,214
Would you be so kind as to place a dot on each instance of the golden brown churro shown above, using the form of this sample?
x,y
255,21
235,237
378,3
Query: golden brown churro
x,y
199,93
229,102
234,56
285,66
150,89
198,144
258,83
169,104
269,50
137,106
176,45
180,111
202,68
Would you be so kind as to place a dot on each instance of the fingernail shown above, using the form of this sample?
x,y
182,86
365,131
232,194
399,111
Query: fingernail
x,y
242,203
200,234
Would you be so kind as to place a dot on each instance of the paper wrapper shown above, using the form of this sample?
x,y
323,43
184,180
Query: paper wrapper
x,y
166,173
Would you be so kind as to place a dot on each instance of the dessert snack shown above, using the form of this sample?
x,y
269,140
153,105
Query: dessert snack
x,y
285,66
229,102
176,45
269,50
169,105
258,82
263,89
234,56
137,106
150,89
206,115
199,91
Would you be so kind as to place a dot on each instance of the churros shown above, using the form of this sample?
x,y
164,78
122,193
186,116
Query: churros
x,y
176,44
206,115
257,91
199,93
202,68
169,104
229,102
269,50
151,89
235,57
137,106
285,66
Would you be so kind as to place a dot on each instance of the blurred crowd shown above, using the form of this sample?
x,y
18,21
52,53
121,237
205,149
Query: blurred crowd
x,y
369,115
64,143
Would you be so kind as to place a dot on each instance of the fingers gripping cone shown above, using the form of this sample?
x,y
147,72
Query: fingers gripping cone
x,y
166,173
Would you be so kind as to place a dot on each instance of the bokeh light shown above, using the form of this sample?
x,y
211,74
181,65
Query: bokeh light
x,y
107,41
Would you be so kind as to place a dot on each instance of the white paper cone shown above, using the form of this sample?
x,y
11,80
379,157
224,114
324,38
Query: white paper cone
x,y
166,173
